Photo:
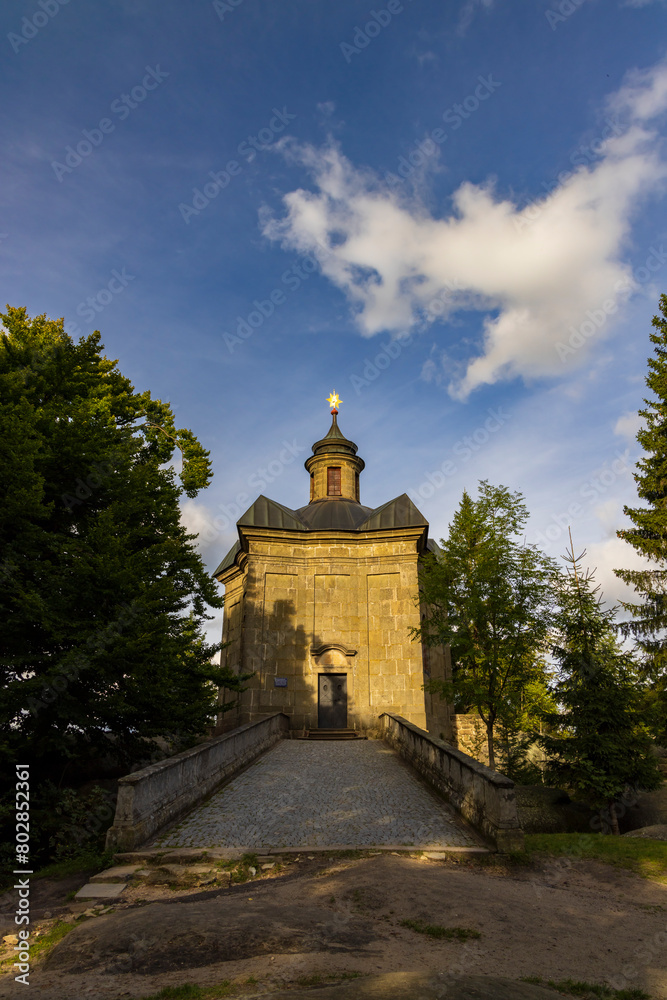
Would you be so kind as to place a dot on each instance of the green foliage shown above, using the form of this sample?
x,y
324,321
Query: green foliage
x,y
515,756
241,871
598,744
518,756
81,820
438,931
588,991
640,855
88,859
47,942
489,597
190,991
649,534
103,595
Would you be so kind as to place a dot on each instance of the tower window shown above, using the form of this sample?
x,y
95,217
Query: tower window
x,y
312,485
333,482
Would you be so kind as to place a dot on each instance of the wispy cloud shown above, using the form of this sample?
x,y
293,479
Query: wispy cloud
x,y
535,271
468,10
639,3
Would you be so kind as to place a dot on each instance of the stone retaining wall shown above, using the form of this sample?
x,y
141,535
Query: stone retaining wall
x,y
158,794
469,736
482,796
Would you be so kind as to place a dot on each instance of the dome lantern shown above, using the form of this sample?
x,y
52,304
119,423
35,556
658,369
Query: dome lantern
x,y
334,466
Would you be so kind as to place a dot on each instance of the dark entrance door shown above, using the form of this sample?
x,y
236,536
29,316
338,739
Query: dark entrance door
x,y
332,701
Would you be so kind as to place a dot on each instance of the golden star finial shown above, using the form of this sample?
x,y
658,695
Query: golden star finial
x,y
333,401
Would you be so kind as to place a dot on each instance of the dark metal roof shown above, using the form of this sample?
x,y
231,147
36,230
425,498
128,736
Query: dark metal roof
x,y
334,514
432,546
229,559
339,515
267,513
398,513
334,441
330,514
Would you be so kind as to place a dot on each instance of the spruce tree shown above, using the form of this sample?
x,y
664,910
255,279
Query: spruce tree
x,y
597,742
649,534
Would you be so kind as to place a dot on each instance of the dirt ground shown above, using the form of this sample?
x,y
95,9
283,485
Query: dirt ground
x,y
332,915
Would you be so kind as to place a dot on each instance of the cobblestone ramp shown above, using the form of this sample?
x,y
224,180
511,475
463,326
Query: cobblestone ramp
x,y
302,794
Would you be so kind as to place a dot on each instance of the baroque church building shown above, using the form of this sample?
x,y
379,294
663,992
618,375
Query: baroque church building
x,y
319,603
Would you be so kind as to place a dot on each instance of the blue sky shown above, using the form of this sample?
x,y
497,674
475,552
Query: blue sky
x,y
452,214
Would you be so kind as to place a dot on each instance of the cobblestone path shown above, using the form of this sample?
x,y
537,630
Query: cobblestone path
x,y
325,794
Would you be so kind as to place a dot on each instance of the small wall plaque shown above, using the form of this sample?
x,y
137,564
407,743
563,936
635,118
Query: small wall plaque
x,y
280,682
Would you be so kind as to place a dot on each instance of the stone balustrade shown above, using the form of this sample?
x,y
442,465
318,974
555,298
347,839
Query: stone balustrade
x,y
484,797
159,794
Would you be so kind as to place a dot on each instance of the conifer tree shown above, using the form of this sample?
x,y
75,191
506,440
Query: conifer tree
x,y
597,742
649,534
102,594
489,597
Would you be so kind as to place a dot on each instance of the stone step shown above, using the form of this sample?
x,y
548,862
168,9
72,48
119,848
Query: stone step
x,y
333,734
119,873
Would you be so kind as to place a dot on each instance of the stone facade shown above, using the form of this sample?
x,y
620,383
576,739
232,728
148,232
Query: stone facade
x,y
305,597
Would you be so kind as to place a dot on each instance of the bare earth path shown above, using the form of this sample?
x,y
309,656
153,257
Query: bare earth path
x,y
324,794
587,921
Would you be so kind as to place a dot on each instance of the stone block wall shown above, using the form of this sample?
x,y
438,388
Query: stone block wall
x,y
469,735
439,712
349,475
304,594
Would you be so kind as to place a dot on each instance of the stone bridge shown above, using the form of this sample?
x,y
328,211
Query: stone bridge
x,y
257,789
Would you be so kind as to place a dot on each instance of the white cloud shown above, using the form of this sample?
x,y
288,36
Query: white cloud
x,y
643,94
628,425
604,557
213,539
538,272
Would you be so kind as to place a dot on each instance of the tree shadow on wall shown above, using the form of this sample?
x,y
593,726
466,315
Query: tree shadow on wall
x,y
285,655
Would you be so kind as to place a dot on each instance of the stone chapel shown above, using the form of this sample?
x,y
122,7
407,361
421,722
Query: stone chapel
x,y
319,603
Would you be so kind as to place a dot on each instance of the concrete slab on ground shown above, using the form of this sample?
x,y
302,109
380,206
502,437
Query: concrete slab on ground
x,y
100,890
